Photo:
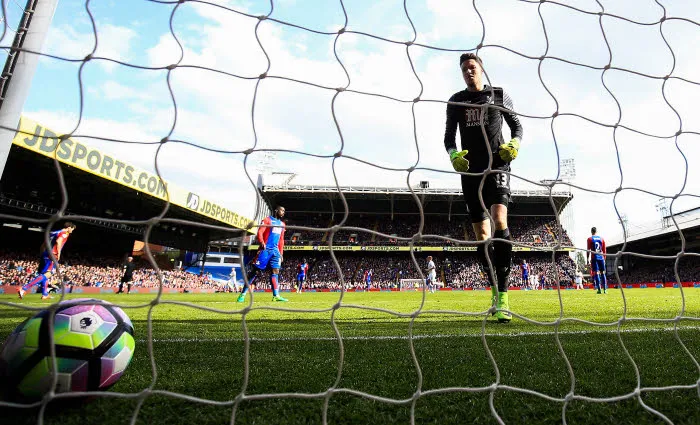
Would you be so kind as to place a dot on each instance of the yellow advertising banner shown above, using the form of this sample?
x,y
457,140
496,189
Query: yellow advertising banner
x,y
37,138
289,247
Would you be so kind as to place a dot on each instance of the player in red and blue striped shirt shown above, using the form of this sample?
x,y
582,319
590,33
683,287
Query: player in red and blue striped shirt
x,y
57,239
525,269
368,279
271,239
302,269
595,256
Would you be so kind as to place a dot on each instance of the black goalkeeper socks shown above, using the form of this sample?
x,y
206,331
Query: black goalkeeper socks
x,y
502,255
481,256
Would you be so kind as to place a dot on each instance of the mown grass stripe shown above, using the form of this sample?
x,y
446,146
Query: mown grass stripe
x,y
405,337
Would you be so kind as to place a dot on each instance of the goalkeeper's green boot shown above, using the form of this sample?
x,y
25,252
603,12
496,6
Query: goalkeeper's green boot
x,y
503,316
241,298
279,299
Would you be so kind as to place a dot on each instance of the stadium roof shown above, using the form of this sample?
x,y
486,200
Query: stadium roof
x,y
399,200
663,240
41,140
30,188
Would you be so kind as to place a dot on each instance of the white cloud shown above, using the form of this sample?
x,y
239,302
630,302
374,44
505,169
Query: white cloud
x,y
456,19
111,90
113,42
67,42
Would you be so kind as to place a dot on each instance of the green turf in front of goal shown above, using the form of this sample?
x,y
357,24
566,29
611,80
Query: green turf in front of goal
x,y
200,353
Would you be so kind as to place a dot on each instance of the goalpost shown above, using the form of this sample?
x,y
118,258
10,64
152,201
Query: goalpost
x,y
19,71
20,65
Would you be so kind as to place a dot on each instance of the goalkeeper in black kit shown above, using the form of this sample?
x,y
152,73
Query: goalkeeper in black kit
x,y
478,144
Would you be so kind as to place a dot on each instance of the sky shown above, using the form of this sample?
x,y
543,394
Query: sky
x,y
634,135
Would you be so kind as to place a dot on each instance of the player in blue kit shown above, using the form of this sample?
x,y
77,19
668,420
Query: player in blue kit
x,y
271,239
595,256
57,240
525,269
368,279
302,269
479,112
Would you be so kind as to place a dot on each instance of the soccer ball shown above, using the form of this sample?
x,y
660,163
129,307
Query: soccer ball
x,y
94,343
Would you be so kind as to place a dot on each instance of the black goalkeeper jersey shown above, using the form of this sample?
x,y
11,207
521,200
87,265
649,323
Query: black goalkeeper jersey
x,y
470,132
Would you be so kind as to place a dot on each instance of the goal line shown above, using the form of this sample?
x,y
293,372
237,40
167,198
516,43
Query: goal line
x,y
437,336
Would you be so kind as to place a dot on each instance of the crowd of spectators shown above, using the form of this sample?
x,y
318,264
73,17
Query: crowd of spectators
x,y
562,270
537,231
461,271
661,271
456,271
534,231
17,269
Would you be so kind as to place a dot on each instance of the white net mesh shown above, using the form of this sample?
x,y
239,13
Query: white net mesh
x,y
258,60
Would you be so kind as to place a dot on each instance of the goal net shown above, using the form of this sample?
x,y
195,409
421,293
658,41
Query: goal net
x,y
412,284
223,97
418,284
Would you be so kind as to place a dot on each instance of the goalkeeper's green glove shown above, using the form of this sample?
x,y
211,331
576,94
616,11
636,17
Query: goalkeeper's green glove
x,y
459,161
509,151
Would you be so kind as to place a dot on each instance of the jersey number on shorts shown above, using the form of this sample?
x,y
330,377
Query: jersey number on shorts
x,y
502,179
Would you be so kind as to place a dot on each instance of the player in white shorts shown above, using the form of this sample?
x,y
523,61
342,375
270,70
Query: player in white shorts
x,y
533,282
432,275
579,279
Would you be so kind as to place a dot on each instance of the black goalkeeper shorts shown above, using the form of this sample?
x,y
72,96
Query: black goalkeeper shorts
x,y
496,190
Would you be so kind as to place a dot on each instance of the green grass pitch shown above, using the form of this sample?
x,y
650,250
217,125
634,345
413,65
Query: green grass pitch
x,y
201,353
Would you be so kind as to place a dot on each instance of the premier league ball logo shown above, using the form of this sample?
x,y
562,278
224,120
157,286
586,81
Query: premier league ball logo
x,y
85,322
94,344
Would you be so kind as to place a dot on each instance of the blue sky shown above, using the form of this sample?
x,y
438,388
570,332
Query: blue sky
x,y
215,110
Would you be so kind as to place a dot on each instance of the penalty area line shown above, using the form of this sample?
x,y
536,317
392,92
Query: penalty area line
x,y
405,337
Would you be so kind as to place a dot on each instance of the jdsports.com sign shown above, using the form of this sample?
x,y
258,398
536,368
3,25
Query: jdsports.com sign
x,y
192,201
46,142
213,210
39,139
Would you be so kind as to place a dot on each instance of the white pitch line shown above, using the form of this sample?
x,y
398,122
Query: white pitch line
x,y
405,337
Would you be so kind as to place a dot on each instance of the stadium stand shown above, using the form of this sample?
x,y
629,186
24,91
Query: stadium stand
x,y
535,231
458,270
660,239
16,269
